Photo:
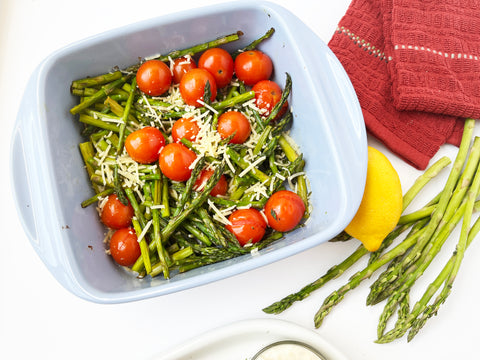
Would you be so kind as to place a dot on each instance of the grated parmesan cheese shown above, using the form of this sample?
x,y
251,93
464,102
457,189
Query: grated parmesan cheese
x,y
155,207
219,216
144,231
251,166
259,189
203,103
228,162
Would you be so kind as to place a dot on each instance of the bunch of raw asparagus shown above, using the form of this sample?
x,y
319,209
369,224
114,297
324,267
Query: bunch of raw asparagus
x,y
404,261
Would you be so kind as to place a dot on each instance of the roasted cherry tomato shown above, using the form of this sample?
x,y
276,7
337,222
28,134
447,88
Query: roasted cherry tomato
x,y
219,63
192,86
145,144
234,123
253,66
185,128
248,226
267,95
124,246
284,210
175,160
219,189
115,215
181,66
154,77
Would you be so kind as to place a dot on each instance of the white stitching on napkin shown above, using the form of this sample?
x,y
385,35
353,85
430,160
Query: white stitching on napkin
x,y
381,55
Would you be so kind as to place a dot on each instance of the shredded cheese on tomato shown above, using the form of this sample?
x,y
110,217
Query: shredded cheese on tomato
x,y
219,215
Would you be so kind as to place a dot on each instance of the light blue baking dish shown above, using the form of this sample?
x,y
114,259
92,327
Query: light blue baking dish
x,y
50,181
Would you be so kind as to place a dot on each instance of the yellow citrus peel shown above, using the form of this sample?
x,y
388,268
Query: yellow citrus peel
x,y
381,205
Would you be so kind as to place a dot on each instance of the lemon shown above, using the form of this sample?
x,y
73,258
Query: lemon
x,y
381,205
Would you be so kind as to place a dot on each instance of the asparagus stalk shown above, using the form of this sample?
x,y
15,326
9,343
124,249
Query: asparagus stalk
x,y
99,95
424,179
229,102
217,235
466,211
143,245
338,295
96,197
163,257
87,151
242,163
211,255
185,195
95,81
165,212
202,47
89,120
390,279
339,269
429,311
292,155
285,94
418,269
446,194
176,221
332,273
254,44
398,278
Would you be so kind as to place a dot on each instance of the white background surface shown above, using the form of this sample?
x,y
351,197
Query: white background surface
x,y
40,319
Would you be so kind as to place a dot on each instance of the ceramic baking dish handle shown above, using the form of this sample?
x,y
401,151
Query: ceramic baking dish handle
x,y
29,191
22,191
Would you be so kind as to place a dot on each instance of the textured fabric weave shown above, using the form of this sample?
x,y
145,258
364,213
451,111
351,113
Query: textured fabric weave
x,y
415,66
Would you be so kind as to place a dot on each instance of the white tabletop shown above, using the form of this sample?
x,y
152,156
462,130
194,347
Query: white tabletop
x,y
40,319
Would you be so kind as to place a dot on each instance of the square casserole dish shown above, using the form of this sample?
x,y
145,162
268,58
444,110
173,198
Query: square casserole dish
x,y
48,173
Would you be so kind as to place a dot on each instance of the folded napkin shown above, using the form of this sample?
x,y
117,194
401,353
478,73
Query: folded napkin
x,y
415,66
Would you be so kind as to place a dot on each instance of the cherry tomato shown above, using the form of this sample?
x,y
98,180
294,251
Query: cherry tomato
x,y
248,226
267,95
192,86
219,63
253,66
144,145
124,246
284,210
234,122
175,160
154,77
181,66
115,215
219,189
185,128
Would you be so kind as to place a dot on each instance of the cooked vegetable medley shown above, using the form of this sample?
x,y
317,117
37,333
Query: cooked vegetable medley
x,y
190,158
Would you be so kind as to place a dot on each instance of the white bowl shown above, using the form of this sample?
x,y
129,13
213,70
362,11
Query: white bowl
x,y
50,181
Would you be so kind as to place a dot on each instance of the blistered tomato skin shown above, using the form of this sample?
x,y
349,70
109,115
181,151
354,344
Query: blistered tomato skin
x,y
185,128
219,63
115,215
144,145
124,246
192,87
253,66
284,210
154,77
175,160
234,123
248,226
181,66
267,94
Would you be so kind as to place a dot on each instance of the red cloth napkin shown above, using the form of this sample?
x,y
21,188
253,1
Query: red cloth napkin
x,y
415,66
